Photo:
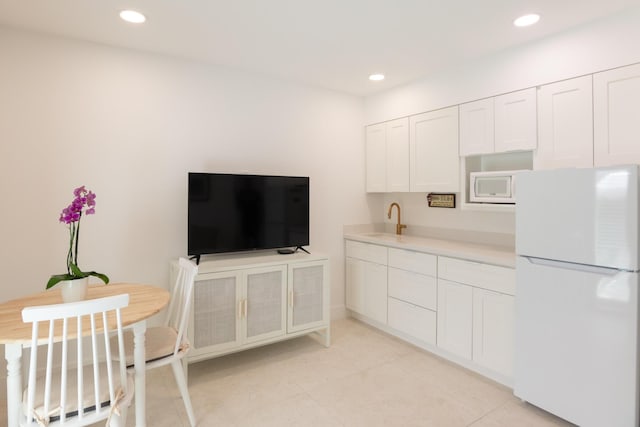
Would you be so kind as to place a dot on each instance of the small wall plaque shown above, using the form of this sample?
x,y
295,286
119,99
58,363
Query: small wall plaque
x,y
441,200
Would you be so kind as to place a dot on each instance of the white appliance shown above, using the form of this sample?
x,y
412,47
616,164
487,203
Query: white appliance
x,y
492,187
577,294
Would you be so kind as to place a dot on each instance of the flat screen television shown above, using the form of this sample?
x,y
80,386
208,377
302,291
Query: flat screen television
x,y
235,213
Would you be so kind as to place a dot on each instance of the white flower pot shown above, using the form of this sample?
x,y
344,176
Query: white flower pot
x,y
74,290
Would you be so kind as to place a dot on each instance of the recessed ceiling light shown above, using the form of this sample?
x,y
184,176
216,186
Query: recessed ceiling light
x,y
526,20
132,16
376,77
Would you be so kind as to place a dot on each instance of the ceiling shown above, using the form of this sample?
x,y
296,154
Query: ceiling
x,y
333,44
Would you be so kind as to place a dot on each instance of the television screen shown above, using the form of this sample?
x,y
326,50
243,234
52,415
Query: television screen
x,y
233,213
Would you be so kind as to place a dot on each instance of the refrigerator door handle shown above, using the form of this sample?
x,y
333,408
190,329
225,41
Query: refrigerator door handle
x,y
604,271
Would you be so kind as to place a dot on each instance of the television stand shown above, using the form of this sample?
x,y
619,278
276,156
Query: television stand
x,y
195,257
241,301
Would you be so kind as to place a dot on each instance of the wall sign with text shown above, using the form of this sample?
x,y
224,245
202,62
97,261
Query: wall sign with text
x,y
441,200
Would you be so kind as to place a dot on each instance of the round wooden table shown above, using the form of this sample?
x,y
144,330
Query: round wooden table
x,y
144,302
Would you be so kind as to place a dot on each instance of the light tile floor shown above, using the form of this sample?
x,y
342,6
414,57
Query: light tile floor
x,y
366,378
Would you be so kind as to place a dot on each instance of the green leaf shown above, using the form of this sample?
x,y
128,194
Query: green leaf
x,y
76,273
54,280
100,276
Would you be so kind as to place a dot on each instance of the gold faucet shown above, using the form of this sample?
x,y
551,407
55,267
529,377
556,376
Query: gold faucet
x,y
399,226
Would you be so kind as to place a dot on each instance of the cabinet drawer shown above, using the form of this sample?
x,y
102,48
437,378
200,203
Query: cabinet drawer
x,y
412,320
491,277
417,262
413,288
366,252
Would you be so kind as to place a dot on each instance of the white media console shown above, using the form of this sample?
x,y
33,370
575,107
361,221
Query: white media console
x,y
242,301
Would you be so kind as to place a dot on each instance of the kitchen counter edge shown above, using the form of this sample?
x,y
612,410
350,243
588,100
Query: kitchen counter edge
x,y
476,252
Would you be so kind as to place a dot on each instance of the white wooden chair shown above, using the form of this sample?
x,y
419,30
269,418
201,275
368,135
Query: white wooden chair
x,y
168,344
79,392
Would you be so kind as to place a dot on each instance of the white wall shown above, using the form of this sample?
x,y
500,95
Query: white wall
x,y
604,44
129,126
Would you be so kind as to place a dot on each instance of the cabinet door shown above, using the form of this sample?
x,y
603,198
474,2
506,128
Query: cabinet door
x,y
263,308
493,330
565,124
515,121
375,292
433,151
355,285
367,289
397,132
616,107
216,321
477,127
376,158
308,295
455,305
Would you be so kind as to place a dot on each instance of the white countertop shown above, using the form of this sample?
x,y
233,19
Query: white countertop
x,y
488,254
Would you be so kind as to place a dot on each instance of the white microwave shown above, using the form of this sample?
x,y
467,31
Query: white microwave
x,y
492,187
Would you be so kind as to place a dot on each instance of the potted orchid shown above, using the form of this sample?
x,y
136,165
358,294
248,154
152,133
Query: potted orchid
x,y
83,204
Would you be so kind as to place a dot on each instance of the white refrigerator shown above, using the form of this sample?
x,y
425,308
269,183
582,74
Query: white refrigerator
x,y
577,294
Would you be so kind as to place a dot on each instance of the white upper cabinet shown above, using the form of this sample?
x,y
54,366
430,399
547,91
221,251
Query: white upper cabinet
x,y
565,124
387,152
616,108
398,155
476,127
376,158
433,151
500,124
515,121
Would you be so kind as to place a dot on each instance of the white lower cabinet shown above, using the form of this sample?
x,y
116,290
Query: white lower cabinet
x,y
354,292
234,308
245,301
366,280
308,296
216,311
493,333
264,314
375,296
459,309
476,312
455,318
367,289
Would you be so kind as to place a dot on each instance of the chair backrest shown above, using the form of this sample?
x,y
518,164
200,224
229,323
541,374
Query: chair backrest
x,y
78,392
180,305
